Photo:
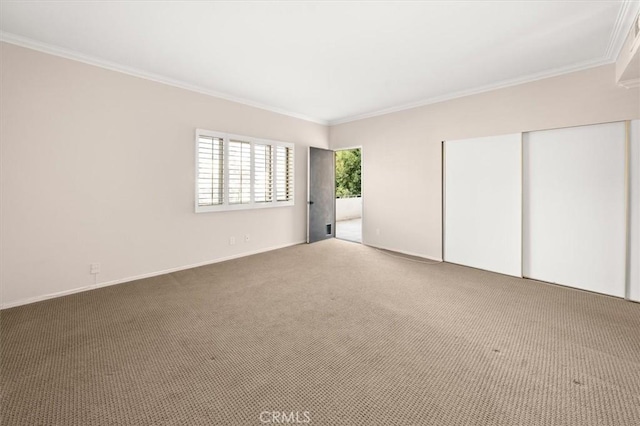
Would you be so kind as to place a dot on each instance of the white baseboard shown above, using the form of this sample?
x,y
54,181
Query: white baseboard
x,y
141,276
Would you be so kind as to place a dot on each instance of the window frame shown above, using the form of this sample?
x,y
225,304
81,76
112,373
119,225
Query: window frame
x,y
252,204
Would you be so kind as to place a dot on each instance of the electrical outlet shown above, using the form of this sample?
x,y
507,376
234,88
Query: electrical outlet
x,y
94,268
247,238
232,240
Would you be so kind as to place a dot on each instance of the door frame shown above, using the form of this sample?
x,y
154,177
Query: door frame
x,y
349,148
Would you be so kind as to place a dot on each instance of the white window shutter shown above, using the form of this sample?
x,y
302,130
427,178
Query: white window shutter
x,y
210,171
284,170
239,166
263,173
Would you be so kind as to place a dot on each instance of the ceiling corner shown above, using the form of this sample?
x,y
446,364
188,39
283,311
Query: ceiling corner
x,y
628,11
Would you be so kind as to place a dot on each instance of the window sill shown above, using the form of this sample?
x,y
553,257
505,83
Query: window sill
x,y
251,206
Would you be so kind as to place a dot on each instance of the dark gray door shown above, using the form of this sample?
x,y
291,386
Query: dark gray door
x,y
321,223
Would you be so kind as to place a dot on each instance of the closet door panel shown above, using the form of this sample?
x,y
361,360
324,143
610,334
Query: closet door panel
x,y
634,216
575,207
483,203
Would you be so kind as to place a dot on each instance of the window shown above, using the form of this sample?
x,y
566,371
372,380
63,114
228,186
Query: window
x,y
238,172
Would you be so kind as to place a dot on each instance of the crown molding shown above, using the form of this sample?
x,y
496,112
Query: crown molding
x,y
626,15
628,11
478,90
135,72
630,84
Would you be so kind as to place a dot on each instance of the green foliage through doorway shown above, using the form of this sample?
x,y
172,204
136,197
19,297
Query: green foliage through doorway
x,y
348,173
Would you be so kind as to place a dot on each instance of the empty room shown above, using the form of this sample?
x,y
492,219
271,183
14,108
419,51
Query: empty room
x,y
327,213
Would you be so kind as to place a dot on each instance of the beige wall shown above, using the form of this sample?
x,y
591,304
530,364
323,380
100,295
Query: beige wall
x,y
98,166
402,151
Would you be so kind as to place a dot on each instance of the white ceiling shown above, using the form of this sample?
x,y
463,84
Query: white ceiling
x,y
328,61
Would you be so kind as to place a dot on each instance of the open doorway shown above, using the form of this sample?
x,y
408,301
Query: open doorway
x,y
348,164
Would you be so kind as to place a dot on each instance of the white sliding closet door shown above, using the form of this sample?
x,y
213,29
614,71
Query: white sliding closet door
x,y
634,217
483,203
574,207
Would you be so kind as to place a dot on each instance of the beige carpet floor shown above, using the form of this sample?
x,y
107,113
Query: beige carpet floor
x,y
338,332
